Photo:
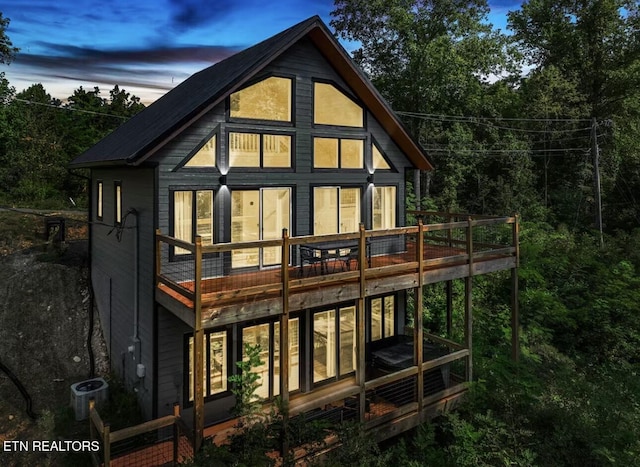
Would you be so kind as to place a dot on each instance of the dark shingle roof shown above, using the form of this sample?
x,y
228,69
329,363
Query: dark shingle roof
x,y
139,137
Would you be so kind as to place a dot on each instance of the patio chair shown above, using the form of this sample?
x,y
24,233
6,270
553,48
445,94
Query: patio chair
x,y
308,256
345,256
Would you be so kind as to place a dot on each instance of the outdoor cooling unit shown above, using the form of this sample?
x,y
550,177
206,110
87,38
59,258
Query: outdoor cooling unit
x,y
82,392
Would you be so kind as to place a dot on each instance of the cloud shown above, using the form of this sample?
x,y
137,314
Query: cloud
x,y
62,53
159,68
186,14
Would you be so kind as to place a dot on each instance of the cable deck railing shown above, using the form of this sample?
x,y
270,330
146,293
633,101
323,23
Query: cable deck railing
x,y
228,272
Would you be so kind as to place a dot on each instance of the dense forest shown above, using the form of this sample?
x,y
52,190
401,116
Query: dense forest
x,y
541,120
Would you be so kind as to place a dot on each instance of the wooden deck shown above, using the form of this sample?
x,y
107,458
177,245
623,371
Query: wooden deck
x,y
258,292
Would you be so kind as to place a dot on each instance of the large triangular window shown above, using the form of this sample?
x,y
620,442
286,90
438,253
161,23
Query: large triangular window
x,y
205,156
379,161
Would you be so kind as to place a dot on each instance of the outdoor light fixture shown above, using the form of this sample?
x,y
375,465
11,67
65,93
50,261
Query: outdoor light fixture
x,y
370,178
223,179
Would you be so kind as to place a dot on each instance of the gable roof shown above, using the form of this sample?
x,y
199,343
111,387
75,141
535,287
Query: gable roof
x,y
141,136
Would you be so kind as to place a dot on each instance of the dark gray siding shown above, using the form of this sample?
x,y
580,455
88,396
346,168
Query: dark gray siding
x,y
304,63
114,269
172,348
171,332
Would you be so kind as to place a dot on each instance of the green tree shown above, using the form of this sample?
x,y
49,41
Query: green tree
x,y
31,167
7,50
39,137
586,59
437,58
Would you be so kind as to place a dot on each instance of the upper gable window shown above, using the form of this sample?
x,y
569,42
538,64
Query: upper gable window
x,y
269,99
206,155
332,107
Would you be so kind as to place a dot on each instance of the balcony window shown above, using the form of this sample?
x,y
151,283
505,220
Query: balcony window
x,y
332,107
384,207
193,208
335,210
259,214
269,99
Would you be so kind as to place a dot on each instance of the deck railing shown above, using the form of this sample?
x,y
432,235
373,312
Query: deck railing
x,y
162,441
397,393
234,271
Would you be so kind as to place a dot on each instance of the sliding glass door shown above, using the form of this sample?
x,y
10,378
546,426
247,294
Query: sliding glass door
x,y
259,215
334,343
335,210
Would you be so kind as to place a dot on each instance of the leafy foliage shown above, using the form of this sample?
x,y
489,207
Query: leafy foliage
x,y
7,50
39,136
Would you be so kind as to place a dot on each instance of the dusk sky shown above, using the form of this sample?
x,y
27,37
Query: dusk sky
x,y
145,46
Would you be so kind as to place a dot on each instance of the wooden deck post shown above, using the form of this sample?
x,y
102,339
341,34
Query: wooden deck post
x,y
418,333
284,335
449,284
360,324
176,433
158,255
515,305
449,293
92,429
284,320
198,350
106,445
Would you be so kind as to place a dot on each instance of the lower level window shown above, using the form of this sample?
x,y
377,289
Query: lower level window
x,y
267,335
334,343
382,317
214,364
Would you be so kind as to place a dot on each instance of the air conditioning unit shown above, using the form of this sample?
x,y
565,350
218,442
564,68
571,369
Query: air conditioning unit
x,y
82,392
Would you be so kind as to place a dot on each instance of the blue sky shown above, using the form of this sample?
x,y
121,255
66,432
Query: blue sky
x,y
145,46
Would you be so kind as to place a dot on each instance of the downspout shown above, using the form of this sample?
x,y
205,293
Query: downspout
x,y
92,365
134,349
416,188
136,282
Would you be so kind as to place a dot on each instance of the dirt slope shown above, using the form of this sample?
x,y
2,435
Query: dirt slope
x,y
44,319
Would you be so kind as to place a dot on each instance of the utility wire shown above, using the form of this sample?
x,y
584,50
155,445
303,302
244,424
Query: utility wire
x,y
71,109
499,127
474,119
531,152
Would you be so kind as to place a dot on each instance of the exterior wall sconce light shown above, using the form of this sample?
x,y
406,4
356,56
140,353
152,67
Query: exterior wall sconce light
x,y
223,179
370,178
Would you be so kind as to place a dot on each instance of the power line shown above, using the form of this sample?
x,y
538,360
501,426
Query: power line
x,y
473,119
479,121
530,152
71,109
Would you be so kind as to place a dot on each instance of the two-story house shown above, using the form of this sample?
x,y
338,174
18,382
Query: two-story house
x,y
262,201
